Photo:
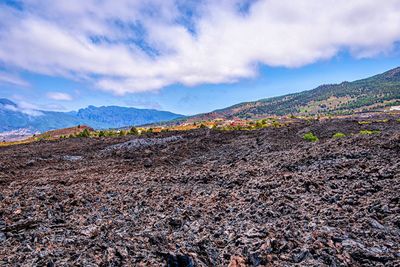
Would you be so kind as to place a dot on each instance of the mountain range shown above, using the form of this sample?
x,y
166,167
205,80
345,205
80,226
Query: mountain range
x,y
13,117
375,93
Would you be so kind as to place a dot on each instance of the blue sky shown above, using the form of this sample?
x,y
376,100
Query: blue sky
x,y
187,57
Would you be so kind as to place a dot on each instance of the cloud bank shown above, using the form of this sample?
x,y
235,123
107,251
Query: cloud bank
x,y
25,108
135,46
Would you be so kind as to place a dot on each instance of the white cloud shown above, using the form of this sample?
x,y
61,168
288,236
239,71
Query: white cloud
x,y
148,104
29,109
59,96
12,79
11,107
25,108
31,112
56,38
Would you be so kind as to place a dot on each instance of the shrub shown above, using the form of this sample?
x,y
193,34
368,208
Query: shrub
x,y
310,137
133,131
102,134
111,133
238,128
276,124
368,132
339,135
85,133
364,122
122,133
259,124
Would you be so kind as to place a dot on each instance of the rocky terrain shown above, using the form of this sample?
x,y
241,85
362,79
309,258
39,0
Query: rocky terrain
x,y
206,198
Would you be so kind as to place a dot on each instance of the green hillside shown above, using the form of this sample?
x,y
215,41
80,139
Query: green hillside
x,y
365,95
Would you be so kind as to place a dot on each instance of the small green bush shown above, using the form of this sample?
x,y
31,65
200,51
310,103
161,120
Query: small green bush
x,y
368,132
310,137
364,122
102,134
259,124
85,133
276,124
134,131
111,133
239,128
339,135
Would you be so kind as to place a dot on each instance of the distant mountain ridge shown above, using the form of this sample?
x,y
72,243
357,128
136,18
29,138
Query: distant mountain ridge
x,y
13,117
7,102
122,116
374,93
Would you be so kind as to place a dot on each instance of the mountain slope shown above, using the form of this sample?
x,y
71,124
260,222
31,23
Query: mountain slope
x,y
122,116
369,94
13,118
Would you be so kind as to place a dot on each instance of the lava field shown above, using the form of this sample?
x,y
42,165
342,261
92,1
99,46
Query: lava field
x,y
206,198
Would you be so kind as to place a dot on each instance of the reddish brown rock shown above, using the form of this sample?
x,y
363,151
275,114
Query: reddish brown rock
x,y
237,261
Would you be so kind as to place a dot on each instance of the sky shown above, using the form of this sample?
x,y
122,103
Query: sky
x,y
188,56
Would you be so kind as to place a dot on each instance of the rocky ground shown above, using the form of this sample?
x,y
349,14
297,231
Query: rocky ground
x,y
206,198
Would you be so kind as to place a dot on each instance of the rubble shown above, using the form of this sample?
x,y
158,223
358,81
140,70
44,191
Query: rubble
x,y
143,142
205,198
72,158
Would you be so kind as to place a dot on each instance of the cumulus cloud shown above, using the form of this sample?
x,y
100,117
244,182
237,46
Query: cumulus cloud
x,y
59,96
132,46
